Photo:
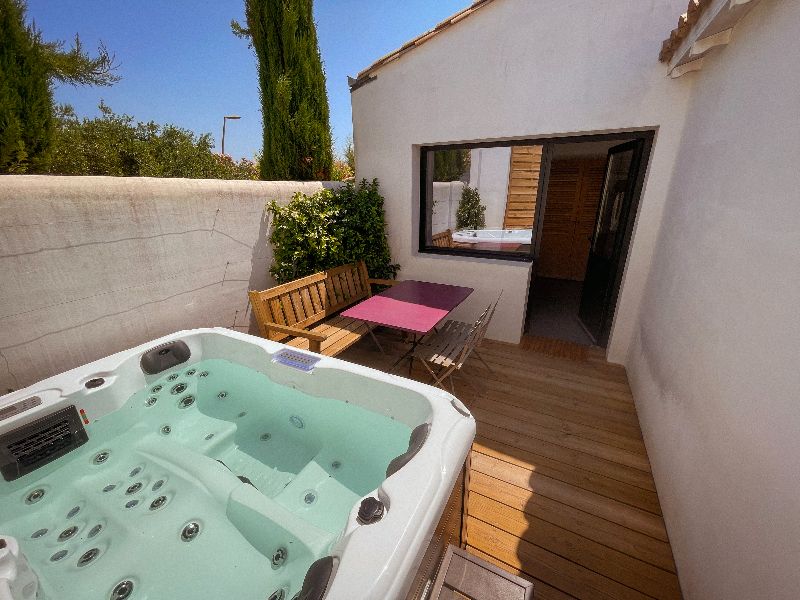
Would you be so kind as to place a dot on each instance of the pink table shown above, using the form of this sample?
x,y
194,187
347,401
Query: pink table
x,y
413,306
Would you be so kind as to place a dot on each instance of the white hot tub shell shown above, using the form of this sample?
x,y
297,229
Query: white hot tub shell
x,y
123,406
493,236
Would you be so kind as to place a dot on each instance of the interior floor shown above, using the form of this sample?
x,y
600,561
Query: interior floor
x,y
553,306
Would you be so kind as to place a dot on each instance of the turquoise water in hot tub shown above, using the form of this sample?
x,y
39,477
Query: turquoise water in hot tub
x,y
121,510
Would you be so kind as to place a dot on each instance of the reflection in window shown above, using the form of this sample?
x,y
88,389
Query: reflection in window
x,y
481,199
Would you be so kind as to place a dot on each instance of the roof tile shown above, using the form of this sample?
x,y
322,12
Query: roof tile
x,y
685,24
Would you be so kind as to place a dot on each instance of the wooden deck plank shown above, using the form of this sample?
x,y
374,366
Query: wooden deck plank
x,y
599,484
560,488
531,414
603,531
563,438
560,572
595,504
583,551
575,411
525,445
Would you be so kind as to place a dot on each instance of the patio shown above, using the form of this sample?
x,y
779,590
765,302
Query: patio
x,y
560,489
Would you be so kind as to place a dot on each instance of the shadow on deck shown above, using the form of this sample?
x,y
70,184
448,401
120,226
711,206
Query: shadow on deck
x,y
560,488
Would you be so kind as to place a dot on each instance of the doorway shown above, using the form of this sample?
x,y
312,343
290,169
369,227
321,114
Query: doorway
x,y
585,220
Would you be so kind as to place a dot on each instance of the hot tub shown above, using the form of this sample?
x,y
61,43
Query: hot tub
x,y
213,464
517,237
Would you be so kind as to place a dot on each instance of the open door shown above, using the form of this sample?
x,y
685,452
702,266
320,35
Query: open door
x,y
610,239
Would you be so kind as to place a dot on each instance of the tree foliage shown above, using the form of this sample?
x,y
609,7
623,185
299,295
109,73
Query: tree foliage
x,y
341,171
350,154
76,66
450,165
294,102
470,214
113,144
28,68
331,228
26,100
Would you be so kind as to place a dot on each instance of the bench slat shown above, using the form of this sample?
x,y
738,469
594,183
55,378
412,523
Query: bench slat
x,y
303,281
363,276
276,310
354,292
340,333
305,296
297,304
288,309
305,302
318,296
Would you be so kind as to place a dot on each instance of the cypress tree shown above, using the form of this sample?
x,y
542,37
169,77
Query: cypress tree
x,y
26,98
294,102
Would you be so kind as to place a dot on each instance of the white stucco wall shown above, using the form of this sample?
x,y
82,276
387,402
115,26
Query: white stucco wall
x,y
93,265
715,366
489,174
446,196
523,69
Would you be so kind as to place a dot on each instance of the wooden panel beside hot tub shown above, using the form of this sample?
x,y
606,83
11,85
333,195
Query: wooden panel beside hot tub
x,y
448,531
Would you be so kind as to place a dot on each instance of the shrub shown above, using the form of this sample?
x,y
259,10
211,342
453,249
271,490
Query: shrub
x,y
113,144
341,171
470,214
328,229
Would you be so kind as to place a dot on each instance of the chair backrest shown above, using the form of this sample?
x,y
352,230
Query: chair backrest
x,y
443,239
306,301
478,331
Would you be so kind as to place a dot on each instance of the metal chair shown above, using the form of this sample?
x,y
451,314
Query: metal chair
x,y
445,352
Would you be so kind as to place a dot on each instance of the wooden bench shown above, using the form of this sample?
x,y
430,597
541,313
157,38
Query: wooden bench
x,y
443,239
297,311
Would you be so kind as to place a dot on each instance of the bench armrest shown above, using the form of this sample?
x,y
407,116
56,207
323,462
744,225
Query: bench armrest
x,y
382,281
314,339
285,329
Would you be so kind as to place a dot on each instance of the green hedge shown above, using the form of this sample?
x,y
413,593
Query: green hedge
x,y
328,229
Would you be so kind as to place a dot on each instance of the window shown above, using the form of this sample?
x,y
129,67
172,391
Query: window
x,y
480,200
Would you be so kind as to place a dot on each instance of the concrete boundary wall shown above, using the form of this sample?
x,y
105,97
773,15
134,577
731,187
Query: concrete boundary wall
x,y
93,265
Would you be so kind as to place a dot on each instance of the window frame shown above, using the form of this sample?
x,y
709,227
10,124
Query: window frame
x,y
547,144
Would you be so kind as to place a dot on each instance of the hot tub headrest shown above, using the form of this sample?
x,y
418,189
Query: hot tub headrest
x,y
415,442
164,357
317,579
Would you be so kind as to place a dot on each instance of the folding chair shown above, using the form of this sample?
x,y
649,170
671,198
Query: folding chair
x,y
445,352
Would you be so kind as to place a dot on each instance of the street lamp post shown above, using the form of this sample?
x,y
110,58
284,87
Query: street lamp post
x,y
224,120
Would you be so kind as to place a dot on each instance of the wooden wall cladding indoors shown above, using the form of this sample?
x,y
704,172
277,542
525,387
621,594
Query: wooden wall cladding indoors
x,y
573,193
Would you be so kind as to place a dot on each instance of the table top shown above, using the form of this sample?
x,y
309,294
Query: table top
x,y
415,306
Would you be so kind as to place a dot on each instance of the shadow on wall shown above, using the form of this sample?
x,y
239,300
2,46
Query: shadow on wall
x,y
96,265
260,278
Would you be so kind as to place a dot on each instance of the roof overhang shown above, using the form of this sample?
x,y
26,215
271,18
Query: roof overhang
x,y
707,24
368,74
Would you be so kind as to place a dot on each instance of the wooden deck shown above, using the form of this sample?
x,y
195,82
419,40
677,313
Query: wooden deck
x,y
560,489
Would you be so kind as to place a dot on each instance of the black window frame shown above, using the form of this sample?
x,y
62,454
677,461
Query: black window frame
x,y
547,143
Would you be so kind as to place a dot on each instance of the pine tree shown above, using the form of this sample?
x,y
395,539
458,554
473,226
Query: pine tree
x,y
294,102
470,214
26,99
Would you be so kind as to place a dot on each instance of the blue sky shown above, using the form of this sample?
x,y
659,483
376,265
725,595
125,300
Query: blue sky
x,y
181,64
